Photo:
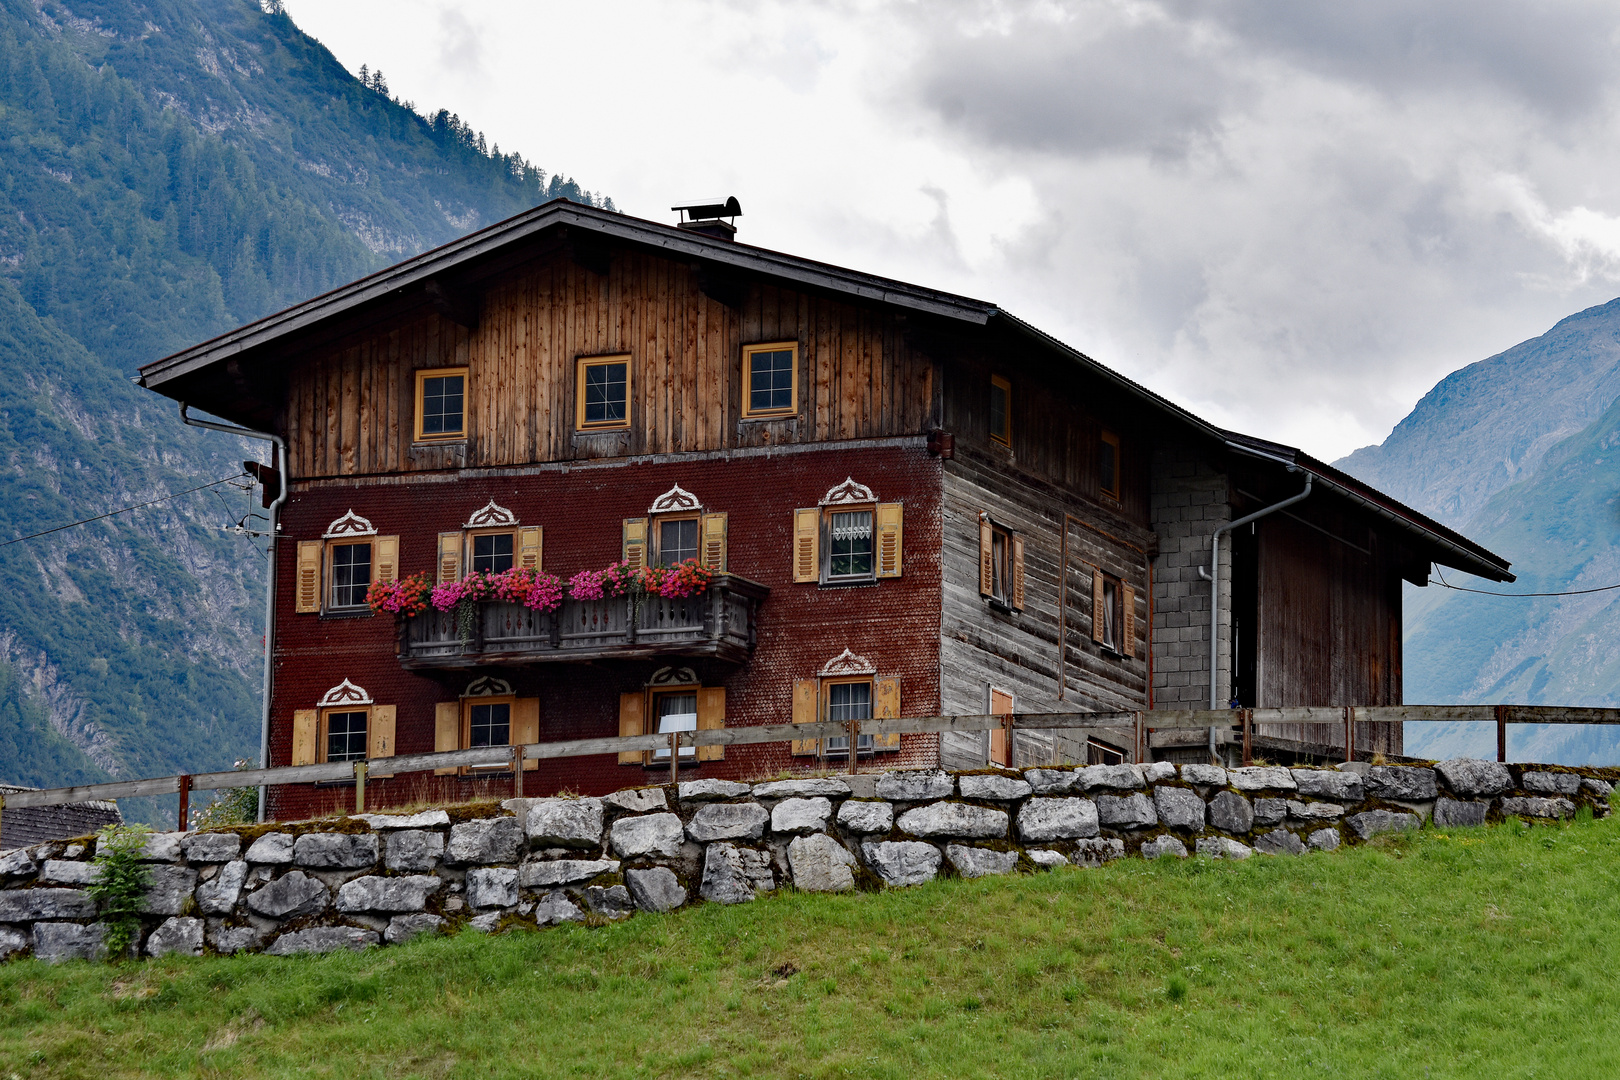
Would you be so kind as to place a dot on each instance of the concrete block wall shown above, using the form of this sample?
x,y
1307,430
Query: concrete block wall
x,y
1190,501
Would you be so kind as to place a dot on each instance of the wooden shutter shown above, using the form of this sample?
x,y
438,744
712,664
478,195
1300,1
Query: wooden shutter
x,y
806,544
711,716
805,712
307,585
632,707
446,731
531,548
380,736
305,722
385,558
889,522
712,553
635,542
1128,637
526,727
1018,572
1097,602
449,557
887,707
1001,703
987,557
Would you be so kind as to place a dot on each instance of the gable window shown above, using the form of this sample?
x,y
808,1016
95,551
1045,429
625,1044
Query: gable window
x,y
334,573
492,552
603,389
1108,464
849,537
1001,565
441,404
1001,410
345,725
770,380
351,574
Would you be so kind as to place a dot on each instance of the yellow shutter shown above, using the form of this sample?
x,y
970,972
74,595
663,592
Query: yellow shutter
x,y
380,736
987,557
385,558
446,731
805,712
886,707
449,557
303,746
711,716
889,519
635,542
531,548
1097,603
307,595
1018,572
632,708
713,551
526,727
806,544
1128,641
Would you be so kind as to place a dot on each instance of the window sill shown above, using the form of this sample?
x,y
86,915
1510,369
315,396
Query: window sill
x,y
769,418
437,444
848,583
1001,607
617,429
347,613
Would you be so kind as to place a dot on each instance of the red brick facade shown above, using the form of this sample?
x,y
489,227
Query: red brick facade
x,y
894,623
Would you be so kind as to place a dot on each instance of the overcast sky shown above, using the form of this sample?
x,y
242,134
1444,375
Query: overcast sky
x,y
1293,218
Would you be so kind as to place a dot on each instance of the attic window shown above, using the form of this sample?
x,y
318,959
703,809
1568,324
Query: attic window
x,y
603,389
772,378
1108,464
441,404
1001,410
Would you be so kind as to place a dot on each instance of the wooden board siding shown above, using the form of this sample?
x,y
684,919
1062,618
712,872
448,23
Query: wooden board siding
x,y
1018,652
349,411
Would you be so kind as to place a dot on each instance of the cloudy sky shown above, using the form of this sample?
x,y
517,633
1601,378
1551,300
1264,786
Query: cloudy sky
x,y
1293,218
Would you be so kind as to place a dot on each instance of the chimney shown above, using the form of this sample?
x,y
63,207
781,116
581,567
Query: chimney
x,y
704,217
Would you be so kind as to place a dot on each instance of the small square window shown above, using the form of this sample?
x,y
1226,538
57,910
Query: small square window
x,y
441,404
346,736
849,547
1108,464
489,724
351,574
1001,410
604,393
677,541
770,380
491,552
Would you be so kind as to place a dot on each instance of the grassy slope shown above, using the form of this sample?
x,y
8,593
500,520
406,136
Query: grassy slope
x,y
1473,953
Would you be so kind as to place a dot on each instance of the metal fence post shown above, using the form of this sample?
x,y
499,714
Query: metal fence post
x,y
360,787
1501,733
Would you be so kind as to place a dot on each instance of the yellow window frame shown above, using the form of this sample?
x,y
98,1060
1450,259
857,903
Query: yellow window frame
x,y
748,354
1004,436
434,373
580,366
322,728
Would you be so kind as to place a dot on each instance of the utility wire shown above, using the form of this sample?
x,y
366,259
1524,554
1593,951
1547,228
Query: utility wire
x,y
1486,592
125,510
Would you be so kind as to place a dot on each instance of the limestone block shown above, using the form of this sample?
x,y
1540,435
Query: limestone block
x,y
335,851
63,872
1223,847
17,863
1323,839
1589,784
611,901
293,894
1126,812
55,942
1041,820
323,939
176,935
1046,859
554,908
1155,771
1470,776
655,889
860,816
954,819
799,817
1179,808
653,834
1160,846
1270,811
734,875
209,847
492,887
13,941
271,849
1051,781
637,800
802,789
1261,778
1309,812
162,847
902,862
1204,775
427,819
1231,812
1537,807
550,874
412,849
484,924
820,864
1329,784
710,790
1372,822
730,821
387,894
1125,777
1402,783
235,939
1097,850
1551,783
574,823
993,787
972,862
219,896
402,928
1279,842
490,840
1453,812
915,785
170,890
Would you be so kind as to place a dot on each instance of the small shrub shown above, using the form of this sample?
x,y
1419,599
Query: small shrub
x,y
121,884
231,806
1176,988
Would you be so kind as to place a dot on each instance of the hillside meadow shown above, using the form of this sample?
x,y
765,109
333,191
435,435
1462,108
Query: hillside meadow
x,y
1462,953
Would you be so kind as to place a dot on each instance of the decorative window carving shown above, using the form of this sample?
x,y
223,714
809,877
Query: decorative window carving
x,y
344,693
848,493
350,524
492,516
487,686
676,500
848,663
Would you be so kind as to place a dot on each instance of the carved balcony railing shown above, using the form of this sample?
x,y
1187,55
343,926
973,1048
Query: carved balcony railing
x,y
718,623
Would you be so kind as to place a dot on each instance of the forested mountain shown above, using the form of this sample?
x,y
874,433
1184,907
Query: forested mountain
x,y
171,169
1522,453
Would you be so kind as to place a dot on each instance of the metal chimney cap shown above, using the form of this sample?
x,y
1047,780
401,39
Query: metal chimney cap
x,y
711,208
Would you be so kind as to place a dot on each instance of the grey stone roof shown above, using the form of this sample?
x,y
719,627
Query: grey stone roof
x,y
26,826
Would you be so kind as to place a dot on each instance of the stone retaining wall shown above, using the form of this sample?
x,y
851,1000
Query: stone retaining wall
x,y
382,879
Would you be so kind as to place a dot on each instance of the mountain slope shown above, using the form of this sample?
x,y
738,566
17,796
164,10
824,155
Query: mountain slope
x,y
170,169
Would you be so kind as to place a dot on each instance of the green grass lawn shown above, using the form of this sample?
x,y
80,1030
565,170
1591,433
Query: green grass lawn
x,y
1471,953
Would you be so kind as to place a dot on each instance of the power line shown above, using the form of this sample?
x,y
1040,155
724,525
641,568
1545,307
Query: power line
x,y
1486,592
125,510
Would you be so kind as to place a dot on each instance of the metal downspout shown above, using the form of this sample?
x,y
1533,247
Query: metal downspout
x,y
269,574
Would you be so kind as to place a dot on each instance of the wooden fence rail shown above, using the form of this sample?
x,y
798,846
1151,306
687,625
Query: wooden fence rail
x,y
1233,725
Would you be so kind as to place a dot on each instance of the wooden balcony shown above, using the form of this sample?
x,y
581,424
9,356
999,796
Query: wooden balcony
x,y
719,623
